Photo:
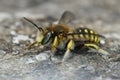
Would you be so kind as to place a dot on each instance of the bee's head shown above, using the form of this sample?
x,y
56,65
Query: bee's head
x,y
44,36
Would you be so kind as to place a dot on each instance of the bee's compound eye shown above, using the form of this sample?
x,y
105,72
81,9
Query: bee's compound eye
x,y
46,38
102,41
48,35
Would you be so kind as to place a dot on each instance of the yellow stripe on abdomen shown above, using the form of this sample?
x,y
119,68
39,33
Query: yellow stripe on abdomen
x,y
76,37
87,36
92,37
81,36
96,38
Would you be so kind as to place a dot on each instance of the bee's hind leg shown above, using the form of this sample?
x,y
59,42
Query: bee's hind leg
x,y
103,53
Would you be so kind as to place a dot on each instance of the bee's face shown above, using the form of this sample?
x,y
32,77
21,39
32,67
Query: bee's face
x,y
47,38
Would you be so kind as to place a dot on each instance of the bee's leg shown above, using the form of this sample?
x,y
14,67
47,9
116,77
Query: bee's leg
x,y
53,48
103,53
29,46
54,45
68,53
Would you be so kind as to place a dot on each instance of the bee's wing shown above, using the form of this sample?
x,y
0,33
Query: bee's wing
x,y
66,17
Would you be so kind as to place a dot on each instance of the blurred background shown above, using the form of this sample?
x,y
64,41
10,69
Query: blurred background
x,y
105,10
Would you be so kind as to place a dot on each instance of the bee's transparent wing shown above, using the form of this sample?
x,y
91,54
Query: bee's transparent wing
x,y
66,17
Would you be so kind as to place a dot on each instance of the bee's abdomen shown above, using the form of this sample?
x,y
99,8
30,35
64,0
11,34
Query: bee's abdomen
x,y
87,35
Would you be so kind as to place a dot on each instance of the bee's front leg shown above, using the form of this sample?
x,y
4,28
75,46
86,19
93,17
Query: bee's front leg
x,y
29,46
68,53
53,47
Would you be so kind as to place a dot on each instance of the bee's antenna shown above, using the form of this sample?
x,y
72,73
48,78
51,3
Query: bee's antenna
x,y
39,28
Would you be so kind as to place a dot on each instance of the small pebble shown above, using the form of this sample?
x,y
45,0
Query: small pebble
x,y
13,33
42,56
30,60
15,52
17,38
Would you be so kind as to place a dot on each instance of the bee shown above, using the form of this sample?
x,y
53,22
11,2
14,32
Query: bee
x,y
61,36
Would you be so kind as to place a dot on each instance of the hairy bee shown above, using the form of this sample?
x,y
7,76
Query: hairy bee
x,y
63,37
